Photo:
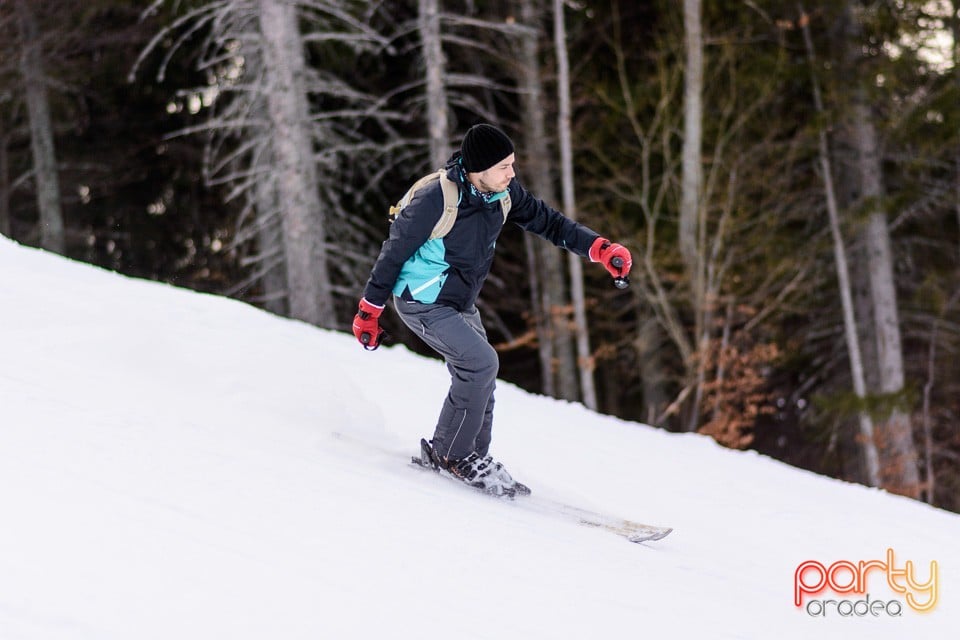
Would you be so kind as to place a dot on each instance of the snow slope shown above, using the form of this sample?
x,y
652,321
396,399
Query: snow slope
x,y
170,468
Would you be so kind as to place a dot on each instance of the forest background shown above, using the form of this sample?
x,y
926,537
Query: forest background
x,y
787,176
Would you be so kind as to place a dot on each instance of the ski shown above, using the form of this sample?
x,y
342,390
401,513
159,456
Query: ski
x,y
635,532
630,530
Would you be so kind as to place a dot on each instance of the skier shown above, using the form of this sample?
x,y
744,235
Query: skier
x,y
435,283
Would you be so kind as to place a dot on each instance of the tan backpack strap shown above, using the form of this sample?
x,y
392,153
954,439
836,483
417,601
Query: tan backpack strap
x,y
505,205
451,200
408,196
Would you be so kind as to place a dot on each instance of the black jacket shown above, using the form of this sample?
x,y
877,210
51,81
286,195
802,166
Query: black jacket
x,y
451,270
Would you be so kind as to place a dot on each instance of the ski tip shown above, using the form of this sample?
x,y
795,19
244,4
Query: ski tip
x,y
650,536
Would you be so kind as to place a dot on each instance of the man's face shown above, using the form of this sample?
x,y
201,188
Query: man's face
x,y
495,179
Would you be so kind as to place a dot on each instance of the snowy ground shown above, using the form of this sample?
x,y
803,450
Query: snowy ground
x,y
169,468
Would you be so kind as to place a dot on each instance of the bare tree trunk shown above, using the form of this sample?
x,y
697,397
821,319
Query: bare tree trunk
x,y
898,453
691,223
868,445
691,177
539,319
955,28
535,160
558,361
586,362
308,281
270,267
899,459
930,485
648,345
41,132
438,128
4,185
273,280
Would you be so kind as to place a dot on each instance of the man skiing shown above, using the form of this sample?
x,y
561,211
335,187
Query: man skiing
x,y
435,280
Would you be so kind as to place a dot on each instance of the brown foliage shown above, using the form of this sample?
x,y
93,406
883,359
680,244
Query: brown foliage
x,y
737,394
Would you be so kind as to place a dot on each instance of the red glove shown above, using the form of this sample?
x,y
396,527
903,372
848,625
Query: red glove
x,y
366,325
603,251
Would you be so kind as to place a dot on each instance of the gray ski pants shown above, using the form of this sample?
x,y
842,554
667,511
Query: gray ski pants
x,y
466,419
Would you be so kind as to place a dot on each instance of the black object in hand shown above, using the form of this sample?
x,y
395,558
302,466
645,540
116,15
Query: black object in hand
x,y
620,282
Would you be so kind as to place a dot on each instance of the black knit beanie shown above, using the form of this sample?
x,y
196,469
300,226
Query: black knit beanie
x,y
484,146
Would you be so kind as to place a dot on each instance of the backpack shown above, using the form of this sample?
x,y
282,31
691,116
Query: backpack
x,y
451,198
